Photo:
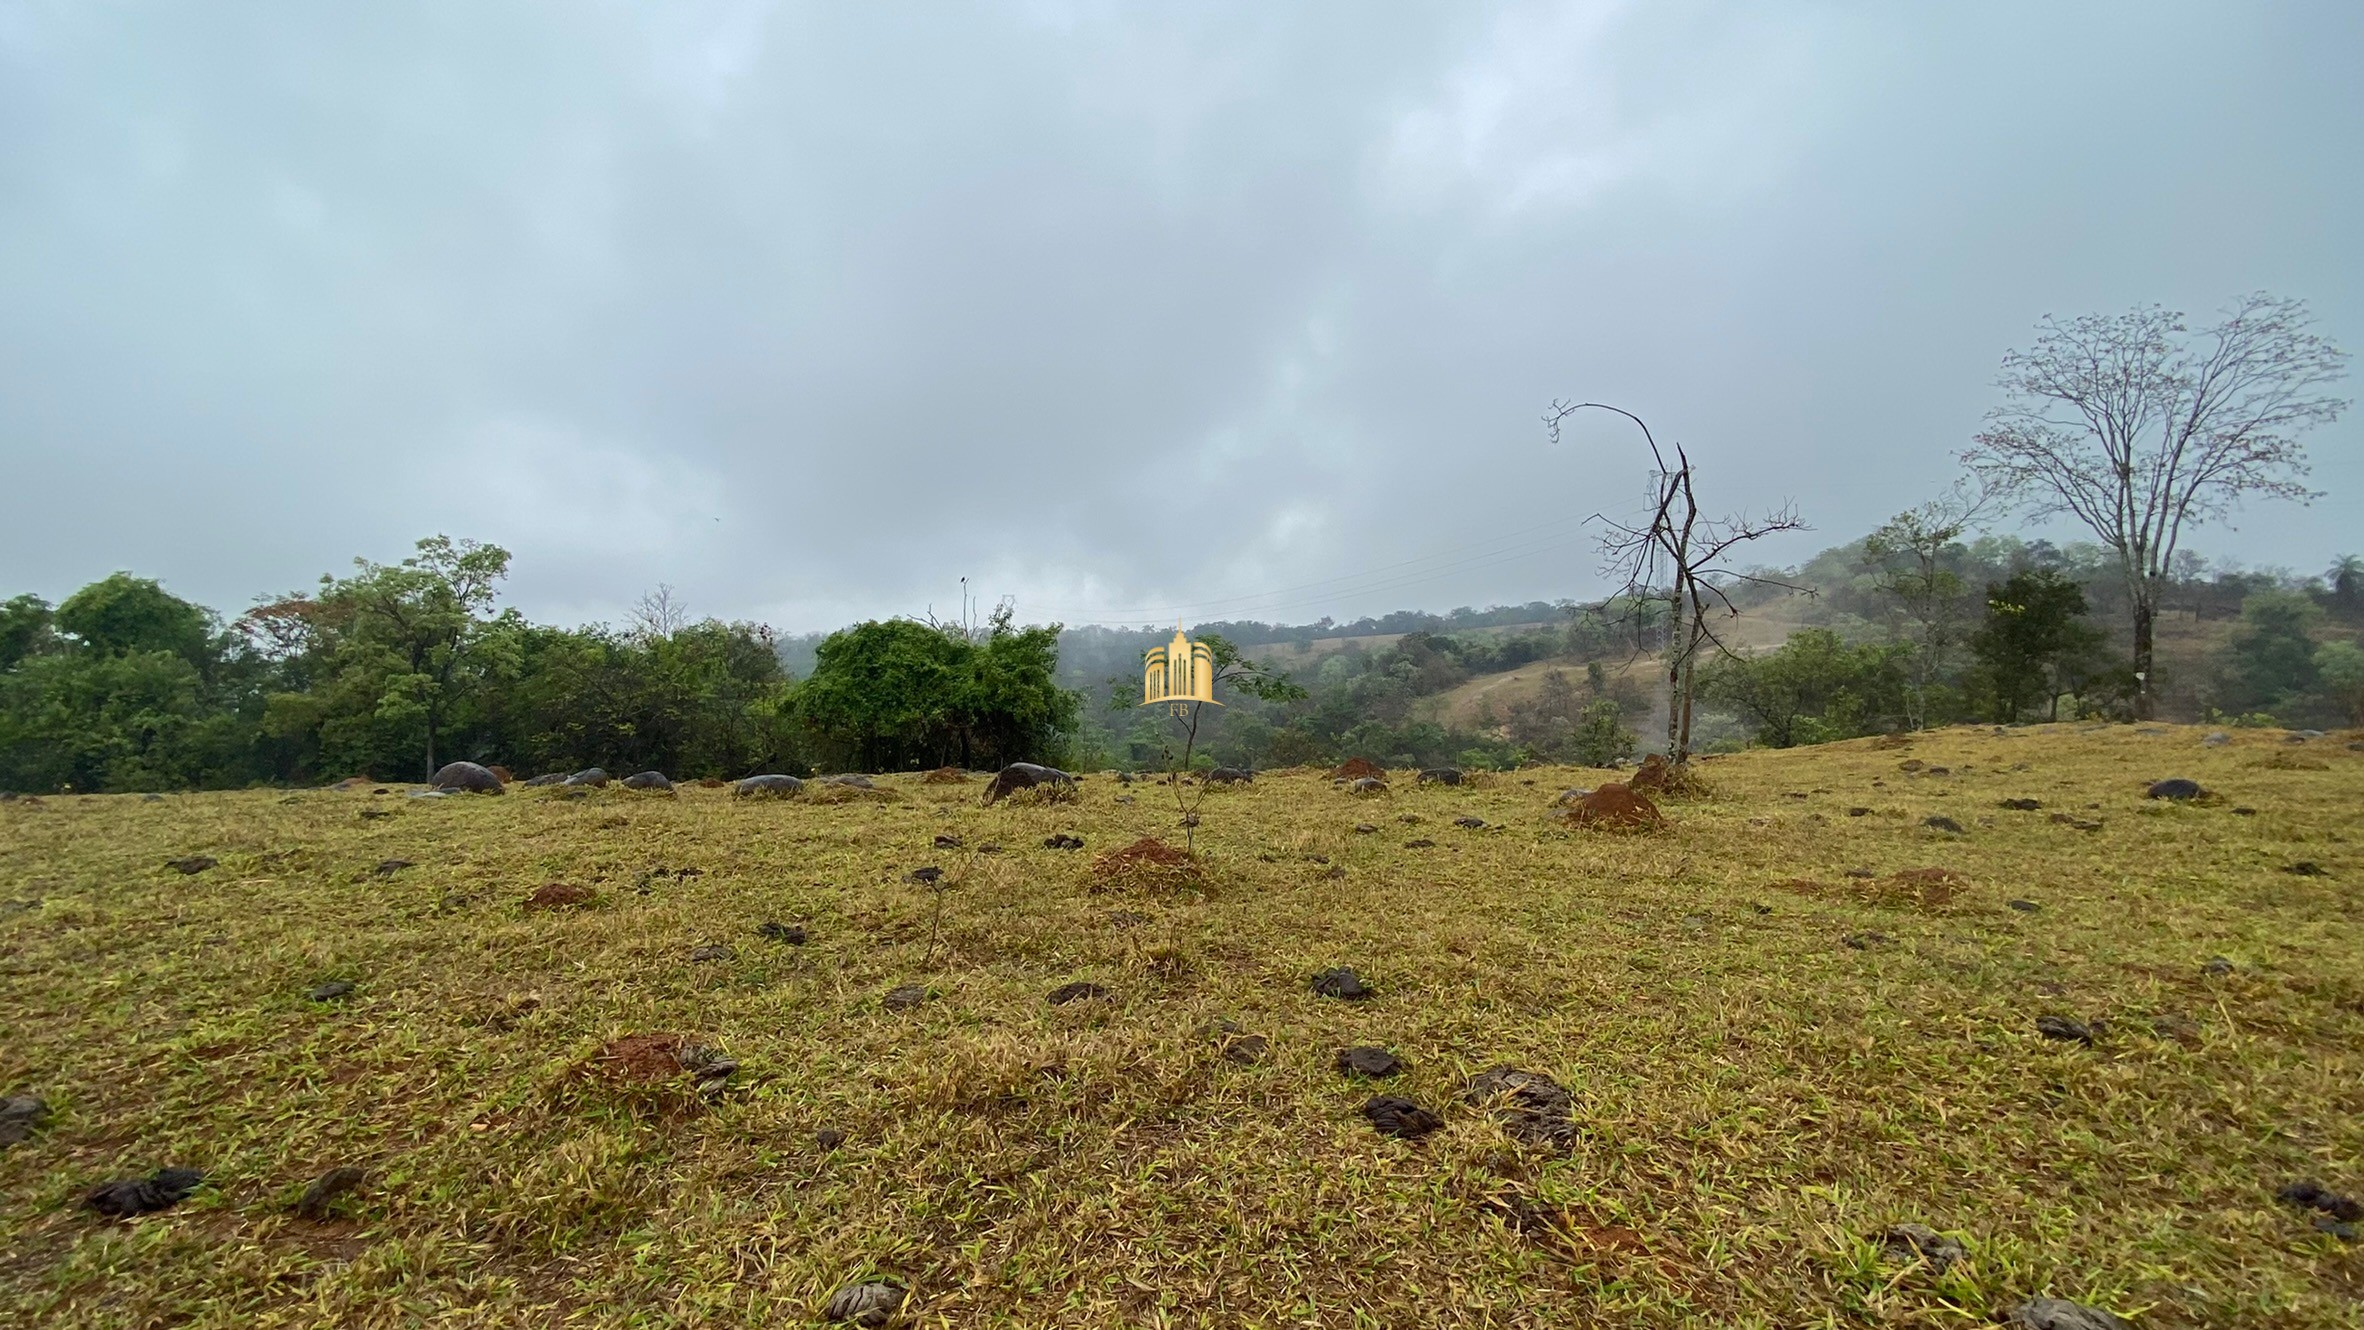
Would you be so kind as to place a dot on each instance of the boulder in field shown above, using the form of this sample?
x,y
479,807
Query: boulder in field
x,y
2060,1314
466,778
1342,983
2177,788
1531,1106
547,778
782,786
1025,776
592,777
649,780
1366,785
1440,776
867,1305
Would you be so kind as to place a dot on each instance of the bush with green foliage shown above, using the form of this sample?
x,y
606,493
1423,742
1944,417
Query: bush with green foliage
x,y
1814,688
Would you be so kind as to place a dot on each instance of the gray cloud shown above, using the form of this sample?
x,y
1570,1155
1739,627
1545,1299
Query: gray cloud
x,y
811,310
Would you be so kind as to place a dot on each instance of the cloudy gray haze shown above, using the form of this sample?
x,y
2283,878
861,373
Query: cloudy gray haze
x,y
810,310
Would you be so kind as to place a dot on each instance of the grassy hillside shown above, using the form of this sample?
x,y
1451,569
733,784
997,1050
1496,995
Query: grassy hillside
x,y
1775,1047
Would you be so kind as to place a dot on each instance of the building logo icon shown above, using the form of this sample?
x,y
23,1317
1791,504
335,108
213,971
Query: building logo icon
x,y
1180,673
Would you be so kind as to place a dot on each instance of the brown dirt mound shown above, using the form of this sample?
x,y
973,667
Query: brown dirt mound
x,y
1661,777
1355,768
1614,807
944,776
558,896
1147,862
673,1073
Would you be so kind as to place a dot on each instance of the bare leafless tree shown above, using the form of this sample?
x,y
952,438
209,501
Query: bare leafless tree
x,y
659,614
2136,426
1678,557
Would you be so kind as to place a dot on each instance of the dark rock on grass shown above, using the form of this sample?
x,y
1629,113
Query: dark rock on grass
x,y
128,1197
194,864
712,951
1400,1118
773,784
151,798
1940,822
2305,868
1465,820
389,867
2177,788
1531,1106
1127,919
1869,939
1343,983
1364,828
2218,966
648,780
989,848
1231,776
1906,1243
2079,823
1859,811
20,1115
1365,1060
331,991
319,1198
772,930
1366,785
926,877
2025,906
2065,1030
1440,776
1245,1049
2060,1314
867,1305
588,777
465,777
2021,805
1075,992
904,998
1025,776
1420,843
945,840
546,779
2342,1229
2308,1194
1063,841
373,814
828,1138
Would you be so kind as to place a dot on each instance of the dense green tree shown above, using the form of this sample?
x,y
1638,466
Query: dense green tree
x,y
893,694
2271,664
2339,666
124,615
1812,689
24,628
2032,629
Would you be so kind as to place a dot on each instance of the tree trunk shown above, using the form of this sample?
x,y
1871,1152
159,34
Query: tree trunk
x,y
1674,672
2144,612
430,744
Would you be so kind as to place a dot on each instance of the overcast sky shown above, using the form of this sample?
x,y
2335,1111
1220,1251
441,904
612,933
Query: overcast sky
x,y
1252,310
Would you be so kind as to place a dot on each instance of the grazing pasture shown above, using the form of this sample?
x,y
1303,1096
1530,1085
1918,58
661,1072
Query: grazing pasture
x,y
606,1057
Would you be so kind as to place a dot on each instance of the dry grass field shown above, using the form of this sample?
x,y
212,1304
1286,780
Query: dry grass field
x,y
1776,1048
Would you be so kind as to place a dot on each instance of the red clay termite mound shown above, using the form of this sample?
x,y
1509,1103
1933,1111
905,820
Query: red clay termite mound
x,y
1614,807
1355,768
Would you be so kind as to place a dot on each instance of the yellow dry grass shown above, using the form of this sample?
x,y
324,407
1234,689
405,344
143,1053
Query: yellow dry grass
x,y
1753,1097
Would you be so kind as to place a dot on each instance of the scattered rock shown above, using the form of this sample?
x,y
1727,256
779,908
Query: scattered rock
x,y
1400,1118
782,786
1366,785
852,780
465,778
1245,1049
1440,776
866,1305
151,798
2217,739
1366,1060
2064,1029
2218,966
545,779
1465,820
772,930
558,896
989,848
322,1195
2305,868
2024,906
2021,805
389,867
1419,843
373,814
194,864
2307,1194
433,794
926,877
1127,919
1940,822
1868,940
2342,1229
20,1115
1614,807
1911,764
1905,1243
1230,776
592,777
1025,776
129,1197
1531,1106
1063,841
712,951
2244,812
1858,811
2060,1314
904,998
947,841
648,780
1364,828
828,1138
1076,992
331,991
1343,983
2079,823
2177,788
